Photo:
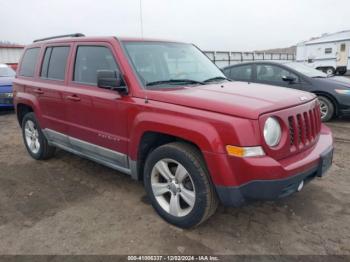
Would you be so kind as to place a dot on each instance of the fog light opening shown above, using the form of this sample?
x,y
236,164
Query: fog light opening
x,y
301,185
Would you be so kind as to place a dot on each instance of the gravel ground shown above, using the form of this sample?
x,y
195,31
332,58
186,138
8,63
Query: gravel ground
x,y
69,205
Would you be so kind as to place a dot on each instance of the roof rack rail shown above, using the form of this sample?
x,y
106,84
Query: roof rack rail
x,y
59,36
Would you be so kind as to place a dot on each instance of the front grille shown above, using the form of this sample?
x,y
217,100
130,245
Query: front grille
x,y
6,101
304,128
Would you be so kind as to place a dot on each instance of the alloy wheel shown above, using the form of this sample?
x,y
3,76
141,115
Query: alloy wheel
x,y
329,71
324,109
32,136
173,187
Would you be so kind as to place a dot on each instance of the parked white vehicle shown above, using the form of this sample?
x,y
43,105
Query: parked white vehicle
x,y
329,53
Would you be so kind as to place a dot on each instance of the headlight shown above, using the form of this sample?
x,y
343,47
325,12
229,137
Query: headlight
x,y
6,95
272,132
343,91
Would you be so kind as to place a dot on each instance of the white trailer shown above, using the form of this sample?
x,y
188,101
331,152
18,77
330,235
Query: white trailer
x,y
329,53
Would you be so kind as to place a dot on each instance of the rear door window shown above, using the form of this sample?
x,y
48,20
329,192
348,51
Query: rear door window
x,y
242,73
90,59
55,62
28,63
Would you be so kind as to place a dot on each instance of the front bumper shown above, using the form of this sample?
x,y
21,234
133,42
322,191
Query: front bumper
x,y
272,189
6,102
264,178
344,112
344,104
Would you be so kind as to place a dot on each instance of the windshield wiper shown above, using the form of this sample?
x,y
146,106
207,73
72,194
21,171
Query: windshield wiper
x,y
170,81
217,78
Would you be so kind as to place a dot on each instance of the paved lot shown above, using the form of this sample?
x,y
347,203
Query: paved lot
x,y
69,205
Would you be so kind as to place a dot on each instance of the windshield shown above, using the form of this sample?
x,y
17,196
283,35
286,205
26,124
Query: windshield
x,y
6,71
163,63
306,70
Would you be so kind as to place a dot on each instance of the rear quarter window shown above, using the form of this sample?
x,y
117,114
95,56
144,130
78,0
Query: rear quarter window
x,y
29,61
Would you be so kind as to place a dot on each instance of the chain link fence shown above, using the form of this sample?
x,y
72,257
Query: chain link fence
x,y
222,59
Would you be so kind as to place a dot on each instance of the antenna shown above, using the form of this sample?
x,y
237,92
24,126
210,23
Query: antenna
x,y
141,22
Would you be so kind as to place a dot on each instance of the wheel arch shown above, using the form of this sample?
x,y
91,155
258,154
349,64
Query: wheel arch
x,y
331,98
21,110
24,103
151,140
151,130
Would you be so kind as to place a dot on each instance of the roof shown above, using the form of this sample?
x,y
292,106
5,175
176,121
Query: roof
x,y
97,39
273,62
138,39
11,46
334,37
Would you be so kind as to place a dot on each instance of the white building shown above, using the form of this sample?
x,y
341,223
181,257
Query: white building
x,y
329,53
10,54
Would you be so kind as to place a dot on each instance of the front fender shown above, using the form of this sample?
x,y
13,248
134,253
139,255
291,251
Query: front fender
x,y
203,134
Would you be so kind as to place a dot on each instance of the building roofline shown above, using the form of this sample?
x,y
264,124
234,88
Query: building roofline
x,y
11,46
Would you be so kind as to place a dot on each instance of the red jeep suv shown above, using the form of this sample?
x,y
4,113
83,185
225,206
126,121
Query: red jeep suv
x,y
163,113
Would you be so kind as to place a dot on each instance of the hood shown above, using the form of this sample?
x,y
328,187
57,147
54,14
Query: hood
x,y
6,81
338,80
234,98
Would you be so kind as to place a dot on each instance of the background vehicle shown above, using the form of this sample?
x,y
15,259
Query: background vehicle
x,y
6,77
333,91
329,53
163,113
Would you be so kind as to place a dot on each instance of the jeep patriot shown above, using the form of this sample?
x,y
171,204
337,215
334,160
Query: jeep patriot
x,y
164,114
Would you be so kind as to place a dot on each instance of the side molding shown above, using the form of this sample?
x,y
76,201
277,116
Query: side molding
x,y
102,155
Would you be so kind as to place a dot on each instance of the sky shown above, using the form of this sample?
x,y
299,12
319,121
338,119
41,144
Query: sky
x,y
221,25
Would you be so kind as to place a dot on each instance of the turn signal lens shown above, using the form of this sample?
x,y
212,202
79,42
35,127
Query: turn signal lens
x,y
244,151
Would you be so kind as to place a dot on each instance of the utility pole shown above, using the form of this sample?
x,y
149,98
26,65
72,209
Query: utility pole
x,y
141,22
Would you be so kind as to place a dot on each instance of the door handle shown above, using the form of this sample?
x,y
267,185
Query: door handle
x,y
38,91
73,98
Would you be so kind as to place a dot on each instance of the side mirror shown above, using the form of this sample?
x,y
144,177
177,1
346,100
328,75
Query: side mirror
x,y
289,79
110,79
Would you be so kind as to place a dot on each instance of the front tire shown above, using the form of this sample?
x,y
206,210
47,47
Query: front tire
x,y
178,185
327,108
34,139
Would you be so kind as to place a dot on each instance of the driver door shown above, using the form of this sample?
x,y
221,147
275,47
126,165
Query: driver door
x,y
97,118
273,75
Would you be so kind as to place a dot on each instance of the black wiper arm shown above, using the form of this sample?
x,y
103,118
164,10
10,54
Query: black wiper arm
x,y
169,81
217,78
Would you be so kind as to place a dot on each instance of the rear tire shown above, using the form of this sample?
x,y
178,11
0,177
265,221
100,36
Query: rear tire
x,y
34,139
342,72
327,108
178,185
329,71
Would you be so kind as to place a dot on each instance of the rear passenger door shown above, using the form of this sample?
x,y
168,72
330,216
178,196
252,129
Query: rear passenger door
x,y
97,117
42,72
50,86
